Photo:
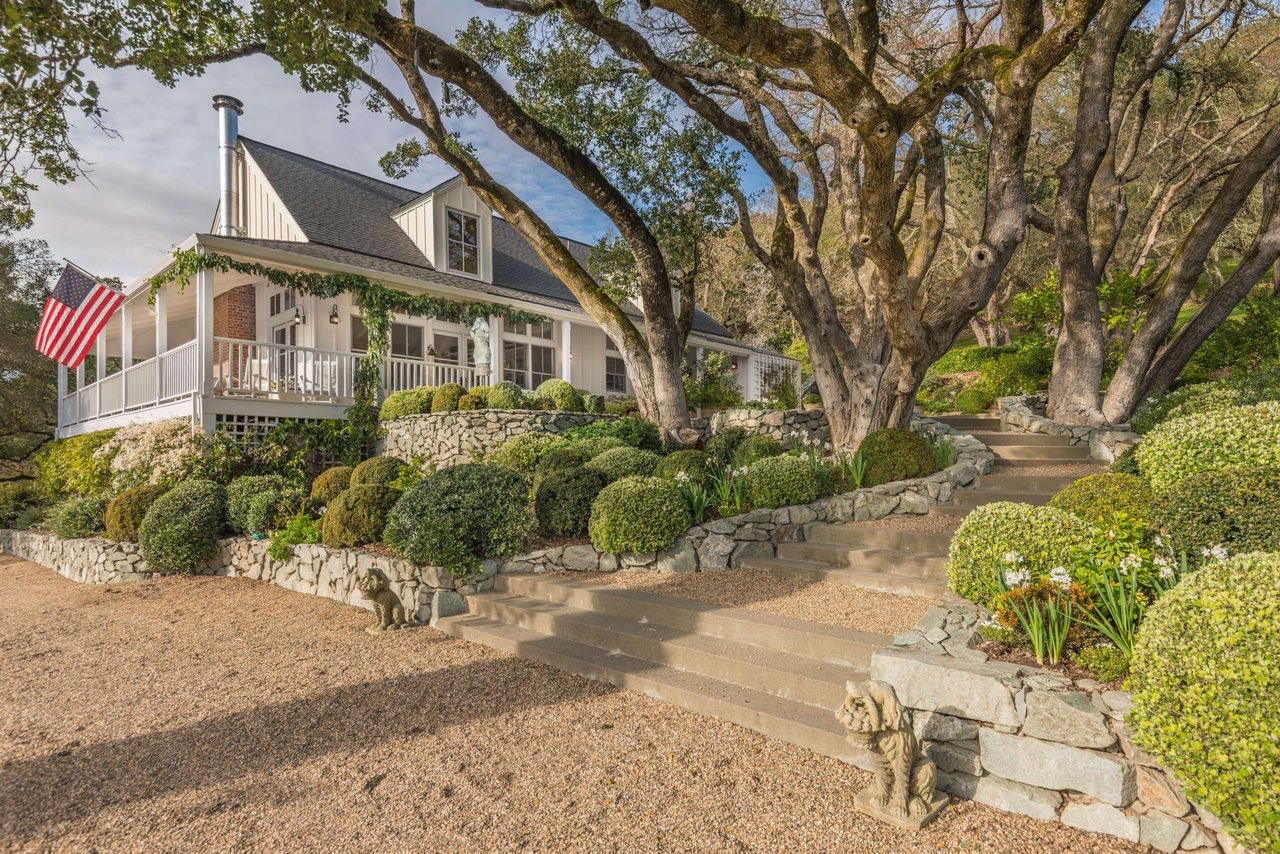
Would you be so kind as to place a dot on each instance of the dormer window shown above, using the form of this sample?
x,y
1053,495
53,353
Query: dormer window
x,y
463,243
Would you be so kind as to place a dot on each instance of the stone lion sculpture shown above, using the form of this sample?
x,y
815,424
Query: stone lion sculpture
x,y
386,605
904,792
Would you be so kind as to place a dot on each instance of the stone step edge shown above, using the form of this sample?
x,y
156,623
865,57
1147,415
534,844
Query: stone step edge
x,y
881,581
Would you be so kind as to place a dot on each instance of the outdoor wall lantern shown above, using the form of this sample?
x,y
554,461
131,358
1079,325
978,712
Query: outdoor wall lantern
x,y
299,319
333,314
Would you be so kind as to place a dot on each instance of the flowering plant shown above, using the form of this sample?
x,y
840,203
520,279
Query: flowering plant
x,y
158,452
1042,608
695,495
813,450
729,490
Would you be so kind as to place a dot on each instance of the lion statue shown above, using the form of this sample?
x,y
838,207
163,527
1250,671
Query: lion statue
x,y
904,791
386,605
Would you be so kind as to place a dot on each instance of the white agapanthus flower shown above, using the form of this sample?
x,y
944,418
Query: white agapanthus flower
x,y
1130,563
1218,552
1015,578
682,477
1013,558
1059,576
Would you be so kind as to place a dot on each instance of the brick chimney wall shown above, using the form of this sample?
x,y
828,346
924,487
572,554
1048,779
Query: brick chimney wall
x,y
235,314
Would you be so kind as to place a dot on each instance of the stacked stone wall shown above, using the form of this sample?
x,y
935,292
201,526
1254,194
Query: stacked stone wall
x,y
1025,414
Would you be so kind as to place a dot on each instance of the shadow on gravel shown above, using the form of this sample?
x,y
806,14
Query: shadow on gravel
x,y
78,784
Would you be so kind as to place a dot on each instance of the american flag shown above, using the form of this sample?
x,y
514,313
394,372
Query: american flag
x,y
75,312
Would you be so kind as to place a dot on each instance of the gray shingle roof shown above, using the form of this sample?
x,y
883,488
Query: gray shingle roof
x,y
347,219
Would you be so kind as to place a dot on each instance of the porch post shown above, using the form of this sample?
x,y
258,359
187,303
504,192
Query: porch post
x,y
495,350
204,330
99,365
126,334
62,393
162,322
80,376
566,352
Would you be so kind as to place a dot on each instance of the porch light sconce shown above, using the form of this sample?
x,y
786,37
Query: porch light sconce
x,y
333,314
299,319
431,352
733,366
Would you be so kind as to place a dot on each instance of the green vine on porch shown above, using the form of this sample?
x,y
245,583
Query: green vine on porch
x,y
377,303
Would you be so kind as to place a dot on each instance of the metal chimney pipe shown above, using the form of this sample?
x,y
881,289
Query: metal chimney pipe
x,y
229,111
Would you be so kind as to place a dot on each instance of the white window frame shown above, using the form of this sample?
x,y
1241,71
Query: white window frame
x,y
519,336
448,240
609,349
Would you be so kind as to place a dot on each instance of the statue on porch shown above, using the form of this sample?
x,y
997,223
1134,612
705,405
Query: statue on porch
x,y
480,335
386,605
904,792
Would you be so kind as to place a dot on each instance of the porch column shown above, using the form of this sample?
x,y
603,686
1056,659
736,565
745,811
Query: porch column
x,y
80,376
566,351
99,365
126,334
62,393
204,330
495,349
162,322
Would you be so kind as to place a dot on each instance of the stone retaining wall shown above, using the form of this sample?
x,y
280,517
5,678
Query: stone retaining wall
x,y
1025,414
788,426
450,438
1034,742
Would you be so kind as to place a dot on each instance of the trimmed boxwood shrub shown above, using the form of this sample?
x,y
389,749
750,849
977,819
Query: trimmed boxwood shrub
x,y
241,491
413,401
593,403
1236,508
1127,462
972,401
1099,495
1206,692
756,447
270,509
357,516
624,462
458,516
470,402
505,395
329,483
781,482
127,510
564,499
1044,537
634,431
562,395
380,471
723,447
524,451
79,517
893,454
181,528
561,459
597,445
638,514
446,397
692,463
1240,437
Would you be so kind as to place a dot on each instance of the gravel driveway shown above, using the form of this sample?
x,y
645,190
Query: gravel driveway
x,y
227,714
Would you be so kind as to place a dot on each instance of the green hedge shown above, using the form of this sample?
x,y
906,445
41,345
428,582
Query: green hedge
x,y
973,401
446,397
561,459
242,491
638,514
756,447
1240,437
1127,462
634,431
692,463
624,462
456,517
963,359
1236,508
79,517
564,501
414,401
181,529
560,394
377,471
505,395
329,483
470,402
127,510
1097,496
71,467
722,448
1043,537
593,403
524,451
357,516
781,482
892,454
597,445
1206,692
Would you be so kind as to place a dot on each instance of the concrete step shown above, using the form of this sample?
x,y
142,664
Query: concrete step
x,y
884,582
898,539
971,422
808,726
839,556
832,644
1023,483
788,676
978,497
1006,463
1046,454
1025,439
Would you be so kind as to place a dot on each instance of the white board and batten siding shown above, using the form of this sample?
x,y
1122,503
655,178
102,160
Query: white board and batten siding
x,y
262,215
425,222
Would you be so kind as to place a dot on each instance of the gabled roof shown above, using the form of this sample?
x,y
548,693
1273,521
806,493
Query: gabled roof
x,y
347,217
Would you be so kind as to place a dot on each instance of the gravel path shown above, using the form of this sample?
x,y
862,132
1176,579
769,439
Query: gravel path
x,y
226,714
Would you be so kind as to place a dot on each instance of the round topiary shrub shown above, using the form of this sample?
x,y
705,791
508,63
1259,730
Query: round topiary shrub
x,y
757,447
1099,495
181,529
624,462
377,471
470,402
973,401
79,517
413,401
1236,508
1206,692
593,403
1040,539
722,448
781,482
329,483
562,395
633,431
563,501
561,459
446,397
505,395
638,514
243,490
1127,462
692,463
458,516
892,454
127,510
270,509
357,516
597,445
524,451
1239,437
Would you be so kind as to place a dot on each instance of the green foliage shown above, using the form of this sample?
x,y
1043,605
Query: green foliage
x,y
241,492
1235,508
1156,409
623,462
127,510
712,383
297,531
973,401
505,395
593,403
1042,538
524,451
1021,372
271,508
181,529
380,471
458,516
413,401
71,466
329,483
1097,496
692,463
357,516
564,500
470,402
1127,462
446,397
1250,337
781,482
562,458
22,505
1240,437
779,390
79,517
756,447
1206,692
634,431
942,449
722,448
597,445
1103,661
892,454
638,514
964,359
560,393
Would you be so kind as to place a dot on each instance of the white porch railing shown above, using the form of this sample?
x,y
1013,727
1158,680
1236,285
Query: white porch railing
x,y
399,374
157,380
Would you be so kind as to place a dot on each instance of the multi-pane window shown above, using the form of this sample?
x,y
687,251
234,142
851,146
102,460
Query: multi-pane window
x,y
515,362
463,240
529,362
615,369
447,346
282,302
406,340
542,364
